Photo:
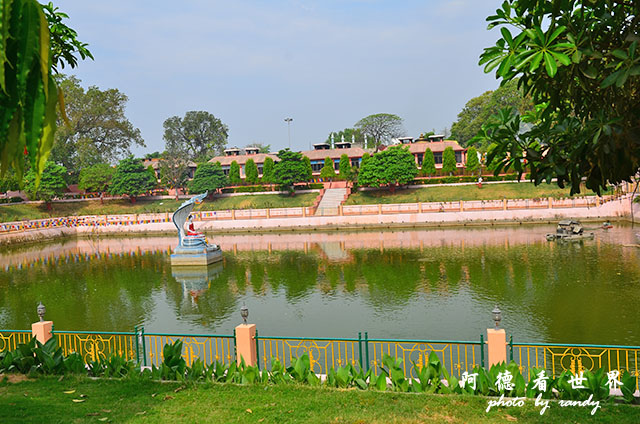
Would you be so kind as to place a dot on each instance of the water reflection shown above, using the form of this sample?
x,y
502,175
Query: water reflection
x,y
439,284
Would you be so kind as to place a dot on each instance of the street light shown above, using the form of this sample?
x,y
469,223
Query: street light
x,y
288,121
497,316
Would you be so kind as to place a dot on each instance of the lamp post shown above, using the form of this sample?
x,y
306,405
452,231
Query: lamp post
x,y
244,313
288,121
497,316
41,311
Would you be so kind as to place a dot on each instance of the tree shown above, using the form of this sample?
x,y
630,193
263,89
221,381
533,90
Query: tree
x,y
365,158
131,178
344,167
328,171
381,127
154,155
307,164
251,172
473,164
234,173
392,166
263,148
98,130
449,161
349,134
208,177
290,169
479,110
580,62
96,178
203,135
52,183
9,182
428,163
33,42
268,171
174,166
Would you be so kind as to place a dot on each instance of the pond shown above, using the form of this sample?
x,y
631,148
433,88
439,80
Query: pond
x,y
415,284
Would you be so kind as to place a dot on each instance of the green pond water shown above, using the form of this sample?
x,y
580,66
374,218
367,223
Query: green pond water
x,y
423,284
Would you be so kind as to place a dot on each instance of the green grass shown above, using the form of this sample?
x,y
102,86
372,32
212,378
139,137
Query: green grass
x,y
17,212
43,401
523,190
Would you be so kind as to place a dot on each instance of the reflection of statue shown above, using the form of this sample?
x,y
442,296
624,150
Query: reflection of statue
x,y
195,279
193,248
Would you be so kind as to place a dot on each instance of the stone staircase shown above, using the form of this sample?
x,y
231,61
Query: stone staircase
x,y
331,200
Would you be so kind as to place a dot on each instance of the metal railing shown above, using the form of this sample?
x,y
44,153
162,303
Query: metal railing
x,y
208,348
327,353
555,358
10,339
97,345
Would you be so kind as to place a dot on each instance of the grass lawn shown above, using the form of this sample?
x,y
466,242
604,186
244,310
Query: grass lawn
x,y
43,401
17,211
523,190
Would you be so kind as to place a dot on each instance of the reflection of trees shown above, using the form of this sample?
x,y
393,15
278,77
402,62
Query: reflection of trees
x,y
95,294
293,271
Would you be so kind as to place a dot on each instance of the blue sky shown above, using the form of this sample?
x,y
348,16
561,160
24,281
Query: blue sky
x,y
325,63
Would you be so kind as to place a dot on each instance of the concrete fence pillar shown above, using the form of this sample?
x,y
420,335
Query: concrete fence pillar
x,y
246,344
550,202
340,210
461,206
268,213
496,346
42,331
504,204
233,214
379,209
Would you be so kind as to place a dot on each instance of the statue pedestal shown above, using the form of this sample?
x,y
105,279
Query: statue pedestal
x,y
196,256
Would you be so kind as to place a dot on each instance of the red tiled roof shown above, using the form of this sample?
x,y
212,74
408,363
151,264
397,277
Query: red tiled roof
x,y
242,159
435,146
352,152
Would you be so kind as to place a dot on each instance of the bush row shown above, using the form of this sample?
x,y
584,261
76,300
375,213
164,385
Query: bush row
x,y
261,188
503,379
14,199
465,179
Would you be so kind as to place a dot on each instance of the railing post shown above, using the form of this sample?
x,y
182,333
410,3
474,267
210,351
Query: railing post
x,y
511,347
257,351
245,344
360,348
135,330
42,330
144,348
366,349
482,350
496,346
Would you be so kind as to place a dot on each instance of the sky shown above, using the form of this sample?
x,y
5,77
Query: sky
x,y
325,63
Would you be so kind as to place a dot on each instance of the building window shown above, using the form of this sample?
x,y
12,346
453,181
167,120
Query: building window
x,y
437,157
225,169
355,163
420,157
459,157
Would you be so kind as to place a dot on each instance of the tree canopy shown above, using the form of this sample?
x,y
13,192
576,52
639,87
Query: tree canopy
x,y
479,110
473,164
174,166
449,161
234,173
309,169
96,178
208,177
579,60
29,56
344,166
290,169
202,134
428,163
381,127
98,130
52,183
251,171
392,166
328,170
131,178
267,170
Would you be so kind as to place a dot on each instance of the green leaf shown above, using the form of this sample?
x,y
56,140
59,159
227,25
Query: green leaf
x,y
610,80
556,33
620,54
589,71
562,58
550,64
381,382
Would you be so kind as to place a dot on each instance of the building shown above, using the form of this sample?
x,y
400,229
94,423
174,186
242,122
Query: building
x,y
323,150
242,156
437,144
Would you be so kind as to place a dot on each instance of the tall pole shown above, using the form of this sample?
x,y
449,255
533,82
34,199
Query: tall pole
x,y
288,121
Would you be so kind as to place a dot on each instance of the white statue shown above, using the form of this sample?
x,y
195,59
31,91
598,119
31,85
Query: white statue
x,y
353,139
365,141
343,138
332,143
